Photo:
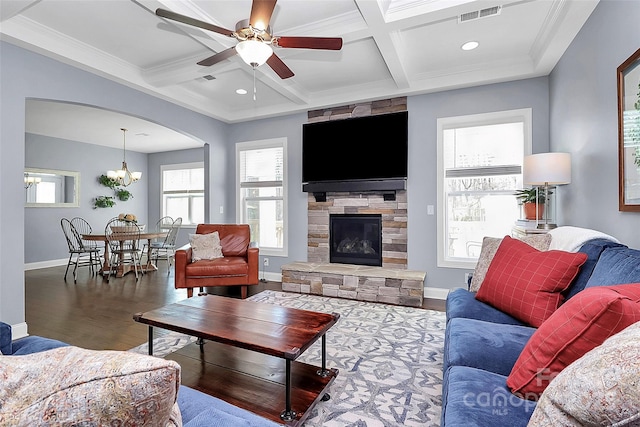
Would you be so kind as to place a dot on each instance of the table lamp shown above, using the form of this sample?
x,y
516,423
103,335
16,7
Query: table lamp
x,y
547,169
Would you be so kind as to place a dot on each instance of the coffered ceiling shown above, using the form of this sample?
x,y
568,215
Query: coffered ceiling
x,y
391,47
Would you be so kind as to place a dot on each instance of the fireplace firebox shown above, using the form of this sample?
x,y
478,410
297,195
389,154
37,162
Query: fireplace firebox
x,y
355,239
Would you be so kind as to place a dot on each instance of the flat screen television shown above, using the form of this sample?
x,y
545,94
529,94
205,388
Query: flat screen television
x,y
371,148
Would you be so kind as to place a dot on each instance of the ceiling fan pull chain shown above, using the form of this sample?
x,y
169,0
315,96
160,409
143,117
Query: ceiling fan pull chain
x,y
254,83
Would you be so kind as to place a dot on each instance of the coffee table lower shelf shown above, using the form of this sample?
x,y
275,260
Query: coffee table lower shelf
x,y
251,380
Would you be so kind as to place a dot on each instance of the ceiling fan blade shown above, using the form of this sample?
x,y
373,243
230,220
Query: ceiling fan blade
x,y
192,21
220,56
329,43
261,11
279,67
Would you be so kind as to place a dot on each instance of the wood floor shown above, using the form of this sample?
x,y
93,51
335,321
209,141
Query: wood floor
x,y
98,315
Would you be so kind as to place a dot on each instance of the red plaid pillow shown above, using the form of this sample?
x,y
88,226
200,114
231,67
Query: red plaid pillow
x,y
526,283
580,325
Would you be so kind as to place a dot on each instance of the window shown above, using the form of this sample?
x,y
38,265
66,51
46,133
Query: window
x,y
183,192
479,169
261,187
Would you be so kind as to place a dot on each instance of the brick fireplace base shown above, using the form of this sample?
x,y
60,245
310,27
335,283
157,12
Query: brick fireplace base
x,y
358,282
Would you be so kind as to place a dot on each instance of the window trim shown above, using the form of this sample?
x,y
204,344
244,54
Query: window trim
x,y
482,119
254,145
177,166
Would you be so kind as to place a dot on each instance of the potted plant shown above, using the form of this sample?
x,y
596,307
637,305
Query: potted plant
x,y
529,198
108,182
123,194
103,202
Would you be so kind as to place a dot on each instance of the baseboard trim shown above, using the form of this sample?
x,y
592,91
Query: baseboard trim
x,y
436,293
270,276
45,264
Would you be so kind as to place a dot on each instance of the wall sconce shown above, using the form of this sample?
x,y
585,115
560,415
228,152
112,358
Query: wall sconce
x,y
29,181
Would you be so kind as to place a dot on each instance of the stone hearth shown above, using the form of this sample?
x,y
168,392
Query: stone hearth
x,y
358,282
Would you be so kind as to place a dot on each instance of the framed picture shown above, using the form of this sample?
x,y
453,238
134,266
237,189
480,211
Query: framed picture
x,y
629,134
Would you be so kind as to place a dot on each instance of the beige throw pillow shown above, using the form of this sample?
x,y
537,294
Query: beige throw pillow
x,y
205,246
600,388
489,247
74,386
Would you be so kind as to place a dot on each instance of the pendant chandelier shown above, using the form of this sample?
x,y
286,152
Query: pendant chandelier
x,y
124,176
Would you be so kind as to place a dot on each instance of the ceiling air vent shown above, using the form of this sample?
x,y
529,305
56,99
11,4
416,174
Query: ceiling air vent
x,y
208,77
477,14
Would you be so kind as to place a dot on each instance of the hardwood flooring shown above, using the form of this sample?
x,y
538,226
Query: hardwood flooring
x,y
98,315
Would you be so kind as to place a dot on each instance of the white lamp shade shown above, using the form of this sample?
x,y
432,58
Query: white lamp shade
x,y
253,52
112,174
136,175
547,169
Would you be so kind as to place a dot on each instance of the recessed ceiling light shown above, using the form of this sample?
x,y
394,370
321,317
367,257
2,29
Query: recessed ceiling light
x,y
241,91
469,45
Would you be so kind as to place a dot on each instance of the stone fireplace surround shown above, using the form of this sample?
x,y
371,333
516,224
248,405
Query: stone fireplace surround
x,y
392,283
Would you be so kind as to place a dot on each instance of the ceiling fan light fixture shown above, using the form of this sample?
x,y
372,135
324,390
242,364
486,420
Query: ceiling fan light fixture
x,y
253,52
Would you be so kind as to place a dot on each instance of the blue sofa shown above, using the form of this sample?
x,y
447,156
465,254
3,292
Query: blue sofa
x,y
197,409
482,343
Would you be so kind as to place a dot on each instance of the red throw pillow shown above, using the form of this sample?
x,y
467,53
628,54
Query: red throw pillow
x,y
580,325
526,283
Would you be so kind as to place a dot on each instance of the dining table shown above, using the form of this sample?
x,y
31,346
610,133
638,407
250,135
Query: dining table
x,y
124,268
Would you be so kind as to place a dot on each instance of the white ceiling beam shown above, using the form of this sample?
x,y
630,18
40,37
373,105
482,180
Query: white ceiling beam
x,y
389,45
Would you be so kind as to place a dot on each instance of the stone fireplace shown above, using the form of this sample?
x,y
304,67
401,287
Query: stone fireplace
x,y
355,239
393,219
351,272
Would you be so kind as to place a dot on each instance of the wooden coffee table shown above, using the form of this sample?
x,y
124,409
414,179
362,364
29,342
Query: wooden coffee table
x,y
243,364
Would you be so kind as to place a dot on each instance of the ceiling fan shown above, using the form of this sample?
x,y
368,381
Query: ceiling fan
x,y
255,40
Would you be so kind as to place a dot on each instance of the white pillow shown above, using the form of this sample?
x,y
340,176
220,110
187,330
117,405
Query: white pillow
x,y
205,246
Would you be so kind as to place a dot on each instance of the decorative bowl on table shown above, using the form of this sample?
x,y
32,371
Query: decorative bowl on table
x,y
127,228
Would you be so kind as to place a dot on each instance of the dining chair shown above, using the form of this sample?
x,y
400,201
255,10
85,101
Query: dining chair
x,y
84,255
123,239
161,225
83,228
166,246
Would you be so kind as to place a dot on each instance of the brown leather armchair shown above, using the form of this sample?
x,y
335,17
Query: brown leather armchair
x,y
238,266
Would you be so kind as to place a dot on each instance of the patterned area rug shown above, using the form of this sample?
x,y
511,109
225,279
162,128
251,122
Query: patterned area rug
x,y
166,342
389,358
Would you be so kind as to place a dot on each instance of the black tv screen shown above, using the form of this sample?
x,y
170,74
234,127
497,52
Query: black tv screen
x,y
361,148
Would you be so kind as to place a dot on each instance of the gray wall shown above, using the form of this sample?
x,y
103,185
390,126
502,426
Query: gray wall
x,y
576,105
291,128
155,162
421,186
28,75
43,238
424,110
584,119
